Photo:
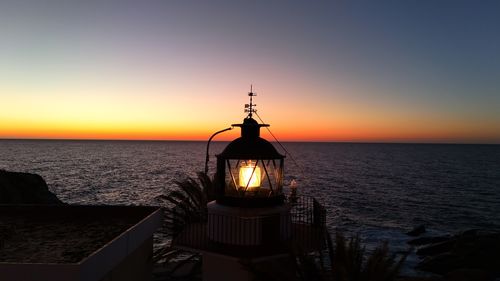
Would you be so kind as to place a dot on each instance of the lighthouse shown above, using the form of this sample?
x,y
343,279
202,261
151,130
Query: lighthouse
x,y
251,221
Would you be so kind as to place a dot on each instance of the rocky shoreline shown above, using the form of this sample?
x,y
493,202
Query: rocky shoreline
x,y
470,255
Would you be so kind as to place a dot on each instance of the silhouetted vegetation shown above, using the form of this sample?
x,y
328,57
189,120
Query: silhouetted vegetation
x,y
342,260
350,262
187,203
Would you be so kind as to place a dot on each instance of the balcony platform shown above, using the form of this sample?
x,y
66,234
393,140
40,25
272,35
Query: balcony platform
x,y
65,242
195,238
307,234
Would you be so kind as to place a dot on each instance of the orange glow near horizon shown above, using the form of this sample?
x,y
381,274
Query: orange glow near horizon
x,y
346,131
190,117
203,135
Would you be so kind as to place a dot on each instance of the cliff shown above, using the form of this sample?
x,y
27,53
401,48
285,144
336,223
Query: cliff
x,y
25,188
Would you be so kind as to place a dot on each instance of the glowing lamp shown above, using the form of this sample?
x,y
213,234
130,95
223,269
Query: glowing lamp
x,y
249,170
249,176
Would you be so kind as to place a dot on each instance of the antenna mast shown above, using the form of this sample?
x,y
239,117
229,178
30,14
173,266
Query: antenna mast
x,y
249,107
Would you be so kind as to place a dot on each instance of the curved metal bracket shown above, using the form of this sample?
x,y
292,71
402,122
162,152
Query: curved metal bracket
x,y
208,146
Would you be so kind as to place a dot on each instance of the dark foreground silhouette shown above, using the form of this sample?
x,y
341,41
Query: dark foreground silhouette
x,y
25,188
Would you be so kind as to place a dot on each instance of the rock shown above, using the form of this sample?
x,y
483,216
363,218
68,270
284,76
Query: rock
x,y
25,188
472,250
441,264
437,248
416,231
468,274
413,278
428,240
469,234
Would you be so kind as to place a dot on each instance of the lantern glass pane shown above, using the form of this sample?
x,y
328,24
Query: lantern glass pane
x,y
253,177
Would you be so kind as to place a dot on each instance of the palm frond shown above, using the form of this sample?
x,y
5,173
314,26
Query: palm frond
x,y
186,203
191,188
349,261
208,186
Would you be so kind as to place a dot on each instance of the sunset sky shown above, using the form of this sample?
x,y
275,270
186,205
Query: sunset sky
x,y
396,71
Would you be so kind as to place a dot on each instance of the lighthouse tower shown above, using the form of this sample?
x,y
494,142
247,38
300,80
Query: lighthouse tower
x,y
249,218
251,221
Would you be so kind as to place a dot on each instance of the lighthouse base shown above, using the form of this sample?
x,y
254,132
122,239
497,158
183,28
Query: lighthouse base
x,y
248,227
243,239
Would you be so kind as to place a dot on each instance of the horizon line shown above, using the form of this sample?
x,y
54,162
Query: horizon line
x,y
285,141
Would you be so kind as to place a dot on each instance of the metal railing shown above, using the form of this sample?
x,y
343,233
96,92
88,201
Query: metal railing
x,y
308,223
248,231
307,210
304,228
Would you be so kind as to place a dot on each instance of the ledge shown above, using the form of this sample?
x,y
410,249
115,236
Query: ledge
x,y
70,242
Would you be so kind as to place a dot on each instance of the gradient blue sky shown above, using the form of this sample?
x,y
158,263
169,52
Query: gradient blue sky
x,y
330,71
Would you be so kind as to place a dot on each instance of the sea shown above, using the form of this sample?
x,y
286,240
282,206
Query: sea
x,y
378,191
